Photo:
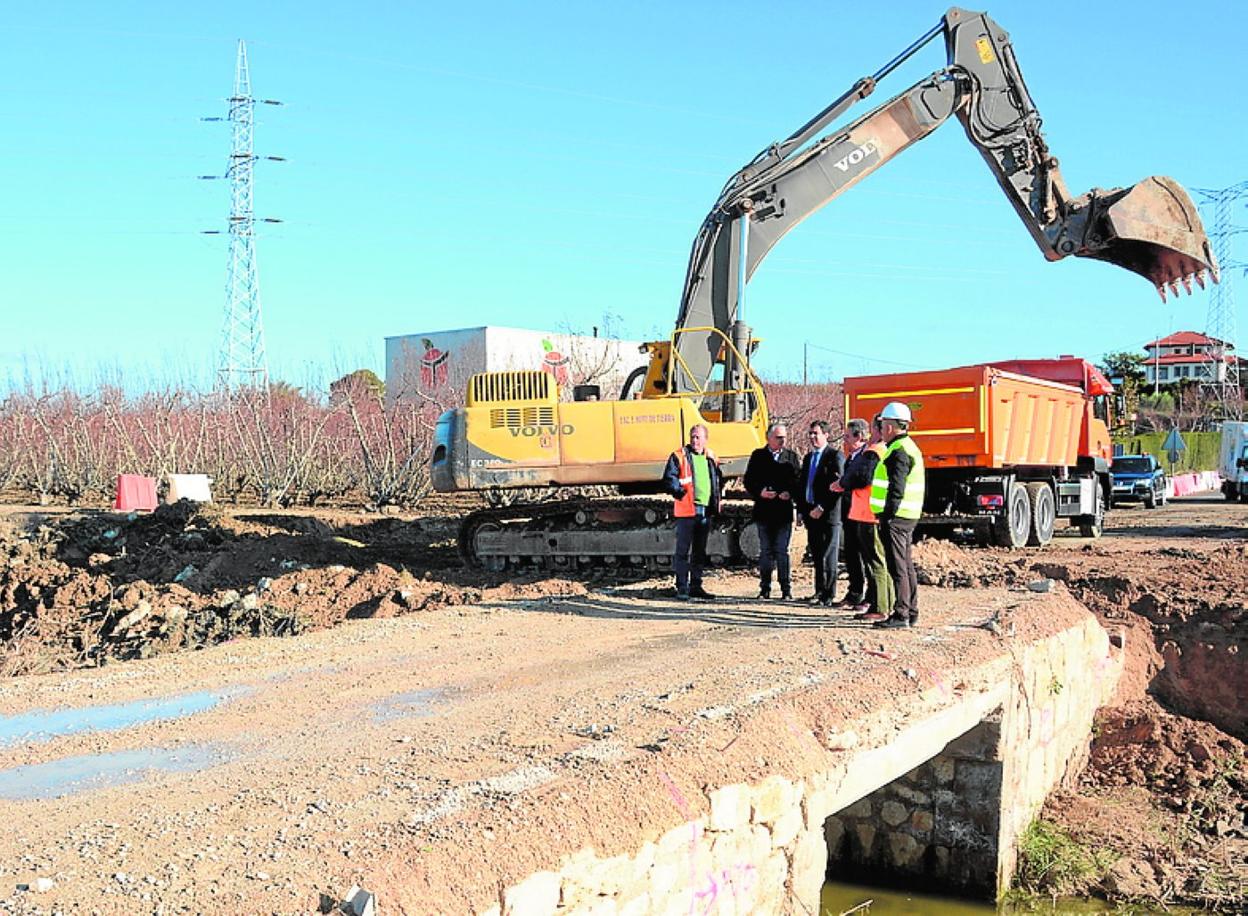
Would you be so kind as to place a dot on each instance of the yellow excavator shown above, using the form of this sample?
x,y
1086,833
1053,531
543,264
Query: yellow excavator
x,y
516,432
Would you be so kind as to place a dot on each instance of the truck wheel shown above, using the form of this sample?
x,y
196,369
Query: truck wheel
x,y
1043,513
1150,500
1093,526
1013,527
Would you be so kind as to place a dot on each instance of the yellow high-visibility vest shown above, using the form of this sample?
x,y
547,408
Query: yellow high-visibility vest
x,y
916,481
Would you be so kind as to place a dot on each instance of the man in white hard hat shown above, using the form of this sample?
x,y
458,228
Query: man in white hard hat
x,y
897,501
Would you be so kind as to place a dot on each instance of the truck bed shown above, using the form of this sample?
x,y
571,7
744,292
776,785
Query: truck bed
x,y
979,416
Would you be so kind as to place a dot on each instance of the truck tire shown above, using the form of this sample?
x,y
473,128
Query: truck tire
x,y
1093,526
1150,500
1043,513
1013,527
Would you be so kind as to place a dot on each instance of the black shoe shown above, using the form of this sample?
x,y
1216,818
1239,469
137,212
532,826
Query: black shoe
x,y
682,596
765,594
894,623
786,596
698,591
827,602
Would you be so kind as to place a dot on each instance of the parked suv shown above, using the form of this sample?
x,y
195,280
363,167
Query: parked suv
x,y
1139,478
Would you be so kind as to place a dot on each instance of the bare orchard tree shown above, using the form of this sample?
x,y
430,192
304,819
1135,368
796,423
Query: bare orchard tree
x,y
11,453
799,405
394,441
154,433
81,459
277,433
598,359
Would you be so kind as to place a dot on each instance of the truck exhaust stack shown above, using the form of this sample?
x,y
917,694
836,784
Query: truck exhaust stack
x,y
1152,228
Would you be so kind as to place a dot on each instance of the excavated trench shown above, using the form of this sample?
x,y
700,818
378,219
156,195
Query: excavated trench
x,y
1165,794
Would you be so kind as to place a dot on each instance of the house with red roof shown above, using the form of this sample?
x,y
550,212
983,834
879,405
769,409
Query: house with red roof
x,y
1188,355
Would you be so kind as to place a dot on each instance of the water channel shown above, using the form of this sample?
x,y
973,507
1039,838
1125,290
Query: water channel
x,y
838,898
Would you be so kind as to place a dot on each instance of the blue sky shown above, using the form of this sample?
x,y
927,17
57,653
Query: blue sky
x,y
546,165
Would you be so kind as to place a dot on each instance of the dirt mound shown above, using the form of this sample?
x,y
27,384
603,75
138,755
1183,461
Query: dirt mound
x,y
948,565
1142,744
98,587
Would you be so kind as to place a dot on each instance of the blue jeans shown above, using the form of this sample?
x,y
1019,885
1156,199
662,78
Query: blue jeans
x,y
691,538
773,553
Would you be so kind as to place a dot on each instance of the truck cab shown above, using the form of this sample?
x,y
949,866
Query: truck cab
x,y
1139,478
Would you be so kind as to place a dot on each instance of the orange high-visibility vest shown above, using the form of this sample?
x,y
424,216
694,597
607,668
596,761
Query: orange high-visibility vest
x,y
684,507
860,499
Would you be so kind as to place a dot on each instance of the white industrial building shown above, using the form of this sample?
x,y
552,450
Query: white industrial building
x,y
444,360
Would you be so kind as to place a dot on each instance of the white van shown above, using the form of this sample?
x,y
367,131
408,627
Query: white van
x,y
1233,464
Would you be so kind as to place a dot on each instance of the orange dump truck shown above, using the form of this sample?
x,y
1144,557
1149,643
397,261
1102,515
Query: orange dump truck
x,y
1009,447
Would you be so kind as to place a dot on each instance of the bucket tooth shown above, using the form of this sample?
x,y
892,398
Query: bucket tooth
x,y
1174,288
1187,284
1200,278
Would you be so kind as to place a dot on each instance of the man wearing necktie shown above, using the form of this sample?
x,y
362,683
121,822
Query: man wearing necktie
x,y
819,509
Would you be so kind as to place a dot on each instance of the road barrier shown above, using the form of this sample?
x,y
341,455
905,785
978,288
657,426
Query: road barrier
x,y
1198,482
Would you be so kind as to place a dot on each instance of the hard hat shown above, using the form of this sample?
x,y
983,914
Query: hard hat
x,y
895,410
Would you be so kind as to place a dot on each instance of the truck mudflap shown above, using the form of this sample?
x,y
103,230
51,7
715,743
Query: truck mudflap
x,y
1152,228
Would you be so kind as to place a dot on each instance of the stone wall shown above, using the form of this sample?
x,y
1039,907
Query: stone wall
x,y
942,802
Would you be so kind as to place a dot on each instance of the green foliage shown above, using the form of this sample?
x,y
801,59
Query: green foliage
x,y
359,381
1201,453
1052,862
1125,364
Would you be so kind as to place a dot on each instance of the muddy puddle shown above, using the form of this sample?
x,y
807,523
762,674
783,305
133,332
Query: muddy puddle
x,y
41,725
414,704
90,772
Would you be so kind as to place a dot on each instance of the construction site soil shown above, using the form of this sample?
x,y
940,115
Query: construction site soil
x,y
1165,791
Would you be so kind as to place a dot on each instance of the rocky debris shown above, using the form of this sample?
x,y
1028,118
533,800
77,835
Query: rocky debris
x,y
1131,879
93,588
1168,798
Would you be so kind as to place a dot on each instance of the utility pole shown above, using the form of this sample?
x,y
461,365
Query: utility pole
x,y
242,361
1222,375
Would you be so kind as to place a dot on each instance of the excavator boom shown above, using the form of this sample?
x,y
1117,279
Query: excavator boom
x,y
1151,228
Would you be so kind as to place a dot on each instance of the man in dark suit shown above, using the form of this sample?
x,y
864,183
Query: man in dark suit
x,y
771,477
819,509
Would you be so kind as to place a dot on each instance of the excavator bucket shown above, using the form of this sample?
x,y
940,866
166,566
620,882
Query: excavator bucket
x,y
1153,229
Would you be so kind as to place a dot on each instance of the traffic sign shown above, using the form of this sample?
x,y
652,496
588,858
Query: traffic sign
x,y
1174,442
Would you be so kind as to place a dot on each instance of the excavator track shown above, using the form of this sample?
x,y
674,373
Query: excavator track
x,y
582,535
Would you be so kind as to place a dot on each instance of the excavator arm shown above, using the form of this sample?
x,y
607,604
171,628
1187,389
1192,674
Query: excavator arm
x,y
1151,228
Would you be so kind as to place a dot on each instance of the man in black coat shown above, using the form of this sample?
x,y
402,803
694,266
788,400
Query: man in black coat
x,y
819,509
771,477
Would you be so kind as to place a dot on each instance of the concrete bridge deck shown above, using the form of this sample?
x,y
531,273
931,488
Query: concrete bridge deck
x,y
610,750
